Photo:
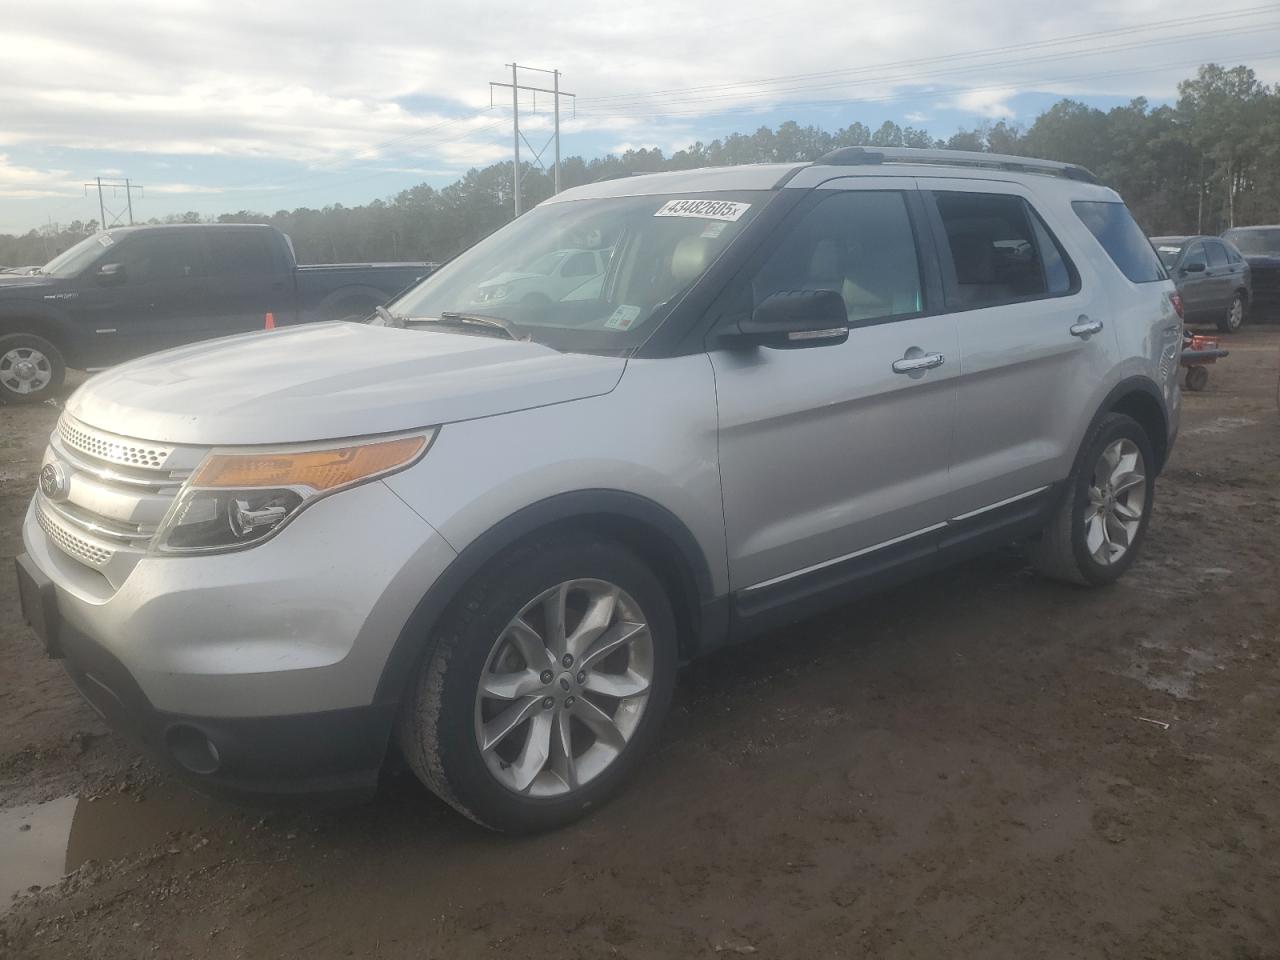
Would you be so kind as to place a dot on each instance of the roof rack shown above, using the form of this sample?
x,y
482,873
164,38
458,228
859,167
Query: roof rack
x,y
861,156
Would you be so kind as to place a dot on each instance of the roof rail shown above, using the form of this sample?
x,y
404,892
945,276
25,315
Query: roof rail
x,y
860,156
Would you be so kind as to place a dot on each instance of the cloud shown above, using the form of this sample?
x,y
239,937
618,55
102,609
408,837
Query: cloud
x,y
915,117
17,181
992,104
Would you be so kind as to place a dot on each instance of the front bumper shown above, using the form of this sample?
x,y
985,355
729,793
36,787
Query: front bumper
x,y
253,673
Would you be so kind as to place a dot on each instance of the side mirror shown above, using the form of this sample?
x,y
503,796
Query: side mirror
x,y
111,273
1193,267
798,318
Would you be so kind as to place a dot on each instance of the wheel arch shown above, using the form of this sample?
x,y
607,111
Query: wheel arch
x,y
41,324
1139,398
653,532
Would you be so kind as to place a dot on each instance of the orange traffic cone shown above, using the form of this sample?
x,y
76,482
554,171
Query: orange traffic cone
x,y
270,323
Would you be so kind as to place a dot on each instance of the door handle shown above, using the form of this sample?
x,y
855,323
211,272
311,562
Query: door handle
x,y
1084,328
925,361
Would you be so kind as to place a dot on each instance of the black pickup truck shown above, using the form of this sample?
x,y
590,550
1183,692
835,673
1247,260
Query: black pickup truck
x,y
122,293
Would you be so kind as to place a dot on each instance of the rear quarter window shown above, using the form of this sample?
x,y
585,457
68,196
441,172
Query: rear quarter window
x,y
1127,246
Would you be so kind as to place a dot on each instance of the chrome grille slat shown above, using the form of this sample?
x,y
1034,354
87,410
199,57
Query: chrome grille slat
x,y
104,471
127,533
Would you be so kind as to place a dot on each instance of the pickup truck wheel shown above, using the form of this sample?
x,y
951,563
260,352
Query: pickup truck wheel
x,y
1098,527
1234,318
31,368
547,683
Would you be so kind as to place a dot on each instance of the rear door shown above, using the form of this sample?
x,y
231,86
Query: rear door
x,y
1033,346
250,280
830,454
1222,280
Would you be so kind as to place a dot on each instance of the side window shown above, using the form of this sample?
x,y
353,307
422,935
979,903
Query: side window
x,y
239,252
1120,236
1233,254
1059,274
857,243
580,265
148,257
995,254
1217,253
1194,254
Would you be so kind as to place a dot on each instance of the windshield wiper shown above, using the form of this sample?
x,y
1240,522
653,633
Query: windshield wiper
x,y
388,318
474,321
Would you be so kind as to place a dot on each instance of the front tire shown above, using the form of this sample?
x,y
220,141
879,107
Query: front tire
x,y
1098,527
31,368
546,684
1234,318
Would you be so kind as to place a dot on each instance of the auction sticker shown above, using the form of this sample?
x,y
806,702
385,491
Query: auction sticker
x,y
703,209
623,318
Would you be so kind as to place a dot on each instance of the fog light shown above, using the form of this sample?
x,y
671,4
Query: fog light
x,y
192,750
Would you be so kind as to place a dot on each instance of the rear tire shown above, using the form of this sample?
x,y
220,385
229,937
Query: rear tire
x,y
31,368
1098,526
1235,315
517,734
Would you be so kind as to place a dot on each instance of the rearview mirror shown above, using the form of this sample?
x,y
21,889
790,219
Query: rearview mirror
x,y
110,273
1193,267
798,318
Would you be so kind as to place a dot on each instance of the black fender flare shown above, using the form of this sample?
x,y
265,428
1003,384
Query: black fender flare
x,y
600,508
36,317
1141,398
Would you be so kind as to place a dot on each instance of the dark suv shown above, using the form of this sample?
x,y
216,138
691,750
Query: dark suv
x,y
1213,279
1261,249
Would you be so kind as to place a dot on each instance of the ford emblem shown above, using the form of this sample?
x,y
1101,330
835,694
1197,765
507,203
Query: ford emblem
x,y
54,482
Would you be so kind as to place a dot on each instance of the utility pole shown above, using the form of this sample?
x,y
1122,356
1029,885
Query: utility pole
x,y
115,186
516,136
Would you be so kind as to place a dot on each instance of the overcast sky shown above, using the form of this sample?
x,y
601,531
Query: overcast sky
x,y
229,105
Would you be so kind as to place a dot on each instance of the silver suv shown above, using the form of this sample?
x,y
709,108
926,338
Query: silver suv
x,y
493,535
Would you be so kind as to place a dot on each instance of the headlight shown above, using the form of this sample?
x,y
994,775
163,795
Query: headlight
x,y
493,293
235,499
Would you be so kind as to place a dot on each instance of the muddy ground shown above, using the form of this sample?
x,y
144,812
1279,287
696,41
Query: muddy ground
x,y
981,764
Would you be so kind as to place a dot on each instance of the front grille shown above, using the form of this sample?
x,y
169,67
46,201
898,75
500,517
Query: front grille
x,y
110,448
66,541
118,492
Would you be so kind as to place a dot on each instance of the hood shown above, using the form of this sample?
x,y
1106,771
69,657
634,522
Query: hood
x,y
331,380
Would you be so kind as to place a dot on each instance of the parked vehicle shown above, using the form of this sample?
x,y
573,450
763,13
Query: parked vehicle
x,y
1212,279
135,290
546,278
1261,249
18,270
495,536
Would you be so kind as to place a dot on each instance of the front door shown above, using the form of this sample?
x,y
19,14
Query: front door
x,y
1195,285
155,297
829,453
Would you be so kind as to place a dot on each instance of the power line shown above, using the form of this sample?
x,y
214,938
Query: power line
x,y
115,186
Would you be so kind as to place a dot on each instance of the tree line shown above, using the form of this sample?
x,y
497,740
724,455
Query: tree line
x,y
1209,161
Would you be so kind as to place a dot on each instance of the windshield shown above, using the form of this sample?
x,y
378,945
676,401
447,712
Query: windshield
x,y
1256,242
590,276
1168,250
71,262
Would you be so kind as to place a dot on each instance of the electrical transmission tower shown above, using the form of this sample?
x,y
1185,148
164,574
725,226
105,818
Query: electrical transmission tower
x,y
556,93
115,186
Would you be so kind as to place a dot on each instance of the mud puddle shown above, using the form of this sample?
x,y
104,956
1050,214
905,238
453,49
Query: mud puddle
x,y
42,842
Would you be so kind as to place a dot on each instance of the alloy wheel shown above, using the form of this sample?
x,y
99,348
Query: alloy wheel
x,y
564,688
1117,501
25,370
